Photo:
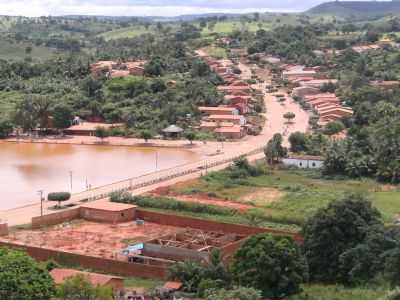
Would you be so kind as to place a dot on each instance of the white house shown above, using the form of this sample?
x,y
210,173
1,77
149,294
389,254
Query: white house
x,y
304,161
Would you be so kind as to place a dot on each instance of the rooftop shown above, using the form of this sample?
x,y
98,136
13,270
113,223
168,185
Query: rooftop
x,y
108,206
60,275
91,126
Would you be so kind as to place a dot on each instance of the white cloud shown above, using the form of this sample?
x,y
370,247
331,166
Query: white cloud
x,y
147,7
132,8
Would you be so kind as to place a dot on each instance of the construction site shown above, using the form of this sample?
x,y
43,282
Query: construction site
x,y
134,241
125,238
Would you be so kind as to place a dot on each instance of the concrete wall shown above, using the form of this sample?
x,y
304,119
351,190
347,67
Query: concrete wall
x,y
303,163
55,218
95,263
98,215
172,253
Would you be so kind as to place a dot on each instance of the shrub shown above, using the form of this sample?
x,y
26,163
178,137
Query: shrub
x,y
59,196
170,204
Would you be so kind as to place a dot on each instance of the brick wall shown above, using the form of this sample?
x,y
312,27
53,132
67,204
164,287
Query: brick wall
x,y
3,229
98,215
96,263
55,218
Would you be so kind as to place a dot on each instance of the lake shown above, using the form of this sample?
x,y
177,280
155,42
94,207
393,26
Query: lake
x,y
27,168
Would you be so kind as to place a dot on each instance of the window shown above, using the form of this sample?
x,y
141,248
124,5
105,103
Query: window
x,y
301,164
122,215
314,165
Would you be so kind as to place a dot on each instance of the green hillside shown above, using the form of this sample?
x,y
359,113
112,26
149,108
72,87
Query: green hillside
x,y
356,8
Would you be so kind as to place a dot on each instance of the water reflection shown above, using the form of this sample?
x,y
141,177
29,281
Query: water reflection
x,y
27,168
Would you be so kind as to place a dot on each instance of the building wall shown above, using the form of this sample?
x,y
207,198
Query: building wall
x,y
303,163
98,215
172,253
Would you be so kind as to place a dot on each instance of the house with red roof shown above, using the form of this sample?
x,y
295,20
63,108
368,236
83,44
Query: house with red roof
x,y
59,276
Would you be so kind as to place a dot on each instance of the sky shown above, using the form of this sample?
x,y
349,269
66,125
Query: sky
x,y
148,7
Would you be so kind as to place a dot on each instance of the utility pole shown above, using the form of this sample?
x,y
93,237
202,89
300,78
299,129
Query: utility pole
x,y
70,179
41,202
156,161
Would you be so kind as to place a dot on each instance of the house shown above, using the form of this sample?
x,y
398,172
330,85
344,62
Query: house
x,y
304,161
89,128
298,72
219,110
59,276
230,89
235,119
304,91
108,212
317,83
232,132
241,103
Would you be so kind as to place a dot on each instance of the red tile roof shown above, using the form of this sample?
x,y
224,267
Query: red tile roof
x,y
60,275
173,285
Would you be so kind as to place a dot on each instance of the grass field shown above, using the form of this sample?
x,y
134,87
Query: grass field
x,y
230,26
128,32
148,284
293,195
8,101
16,51
216,52
337,292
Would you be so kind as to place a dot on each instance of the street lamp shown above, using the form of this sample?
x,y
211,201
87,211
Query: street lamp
x,y
40,192
70,179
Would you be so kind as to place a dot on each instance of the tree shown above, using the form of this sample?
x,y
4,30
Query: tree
x,y
385,140
62,116
298,142
79,288
146,135
22,278
289,116
333,128
341,226
272,264
274,149
6,128
190,273
59,197
26,114
335,158
101,133
238,293
190,136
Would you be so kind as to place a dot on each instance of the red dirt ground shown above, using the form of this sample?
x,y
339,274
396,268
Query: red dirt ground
x,y
90,238
202,198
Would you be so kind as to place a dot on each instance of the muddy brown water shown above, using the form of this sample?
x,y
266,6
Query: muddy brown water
x,y
27,168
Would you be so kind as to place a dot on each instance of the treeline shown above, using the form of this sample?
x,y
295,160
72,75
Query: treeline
x,y
175,83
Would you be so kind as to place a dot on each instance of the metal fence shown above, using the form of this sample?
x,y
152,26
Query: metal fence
x,y
135,183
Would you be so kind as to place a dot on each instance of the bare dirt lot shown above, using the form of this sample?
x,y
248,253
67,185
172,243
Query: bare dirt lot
x,y
90,238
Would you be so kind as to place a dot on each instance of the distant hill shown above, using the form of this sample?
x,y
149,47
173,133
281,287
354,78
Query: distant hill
x,y
357,8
